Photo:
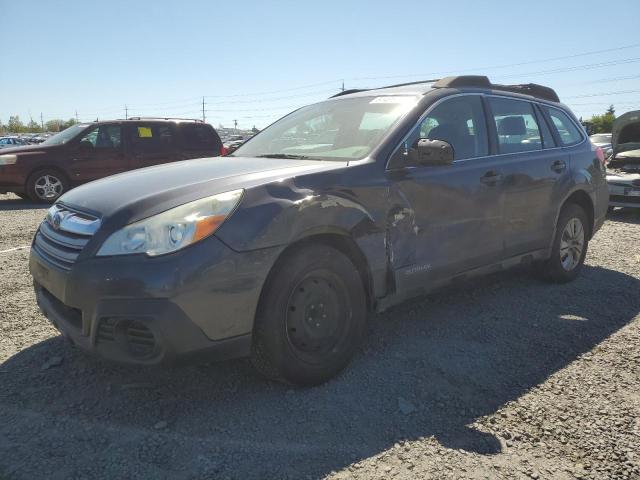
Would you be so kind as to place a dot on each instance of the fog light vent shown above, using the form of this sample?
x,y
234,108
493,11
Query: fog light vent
x,y
140,339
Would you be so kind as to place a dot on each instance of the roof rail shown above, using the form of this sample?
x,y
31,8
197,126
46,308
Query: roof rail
x,y
533,89
356,90
477,81
163,118
347,92
481,81
409,83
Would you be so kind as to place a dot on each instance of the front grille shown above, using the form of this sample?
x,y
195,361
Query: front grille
x,y
60,240
624,199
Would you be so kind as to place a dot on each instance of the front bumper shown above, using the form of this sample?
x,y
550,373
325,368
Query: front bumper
x,y
621,195
196,304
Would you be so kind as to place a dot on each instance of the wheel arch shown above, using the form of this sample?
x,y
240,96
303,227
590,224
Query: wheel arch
x,y
581,198
335,238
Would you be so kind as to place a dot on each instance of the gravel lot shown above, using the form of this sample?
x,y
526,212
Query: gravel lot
x,y
511,378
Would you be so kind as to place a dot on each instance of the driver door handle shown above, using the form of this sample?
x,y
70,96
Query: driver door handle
x,y
491,178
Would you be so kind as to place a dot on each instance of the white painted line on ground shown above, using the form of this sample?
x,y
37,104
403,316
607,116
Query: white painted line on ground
x,y
16,248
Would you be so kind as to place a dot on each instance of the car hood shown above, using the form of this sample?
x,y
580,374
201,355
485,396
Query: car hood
x,y
141,193
622,177
628,154
23,149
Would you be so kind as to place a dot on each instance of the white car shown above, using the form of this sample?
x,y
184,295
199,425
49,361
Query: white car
x,y
603,140
624,184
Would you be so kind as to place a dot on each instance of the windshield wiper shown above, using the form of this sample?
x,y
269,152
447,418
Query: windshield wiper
x,y
285,156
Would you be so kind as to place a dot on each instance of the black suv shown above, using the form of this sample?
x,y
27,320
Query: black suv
x,y
340,208
89,151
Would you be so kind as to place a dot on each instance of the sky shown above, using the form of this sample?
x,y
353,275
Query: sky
x,y
254,61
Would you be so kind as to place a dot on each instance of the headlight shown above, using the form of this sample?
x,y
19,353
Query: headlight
x,y
8,159
174,229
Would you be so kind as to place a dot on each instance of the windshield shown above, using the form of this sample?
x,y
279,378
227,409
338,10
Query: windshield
x,y
601,138
65,135
341,129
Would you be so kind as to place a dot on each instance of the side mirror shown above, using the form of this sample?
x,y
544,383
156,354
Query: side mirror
x,y
431,152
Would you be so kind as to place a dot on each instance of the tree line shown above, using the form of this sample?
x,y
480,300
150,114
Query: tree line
x,y
15,125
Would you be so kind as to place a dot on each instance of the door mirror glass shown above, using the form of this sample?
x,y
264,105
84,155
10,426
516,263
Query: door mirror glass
x,y
428,152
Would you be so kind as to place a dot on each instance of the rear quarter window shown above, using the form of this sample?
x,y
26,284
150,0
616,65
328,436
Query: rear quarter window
x,y
567,131
199,136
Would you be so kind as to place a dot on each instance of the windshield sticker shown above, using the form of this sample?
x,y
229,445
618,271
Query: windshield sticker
x,y
396,99
144,132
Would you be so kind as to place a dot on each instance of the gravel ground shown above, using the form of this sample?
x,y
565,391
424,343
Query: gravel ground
x,y
510,378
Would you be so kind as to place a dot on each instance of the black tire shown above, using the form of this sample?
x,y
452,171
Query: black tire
x,y
555,269
311,317
39,192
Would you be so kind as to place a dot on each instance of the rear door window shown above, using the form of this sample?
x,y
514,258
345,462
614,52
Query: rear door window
x,y
516,125
151,137
567,131
200,136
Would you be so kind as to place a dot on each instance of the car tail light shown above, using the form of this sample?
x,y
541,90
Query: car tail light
x,y
224,151
600,155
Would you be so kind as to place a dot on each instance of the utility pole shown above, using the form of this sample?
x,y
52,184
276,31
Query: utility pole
x,y
41,122
77,121
235,125
126,113
343,85
203,117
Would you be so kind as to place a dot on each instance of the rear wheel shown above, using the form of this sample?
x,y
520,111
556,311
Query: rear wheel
x,y
45,186
311,317
569,246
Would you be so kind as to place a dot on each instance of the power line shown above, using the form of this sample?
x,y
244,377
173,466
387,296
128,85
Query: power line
x,y
495,67
574,68
180,103
602,94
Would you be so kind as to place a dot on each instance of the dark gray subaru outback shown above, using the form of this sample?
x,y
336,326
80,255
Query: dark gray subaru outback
x,y
347,206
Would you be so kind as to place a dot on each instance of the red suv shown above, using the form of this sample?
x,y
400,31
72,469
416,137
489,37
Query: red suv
x,y
88,151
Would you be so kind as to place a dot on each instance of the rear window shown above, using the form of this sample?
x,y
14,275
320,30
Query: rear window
x,y
566,129
199,136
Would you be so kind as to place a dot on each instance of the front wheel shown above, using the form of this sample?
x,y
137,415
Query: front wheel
x,y
46,186
311,317
569,246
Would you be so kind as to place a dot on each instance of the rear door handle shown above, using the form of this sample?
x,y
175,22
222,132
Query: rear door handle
x,y
491,178
558,166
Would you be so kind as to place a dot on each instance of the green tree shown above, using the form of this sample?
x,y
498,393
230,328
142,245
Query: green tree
x,y
69,123
33,127
603,123
15,125
54,125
